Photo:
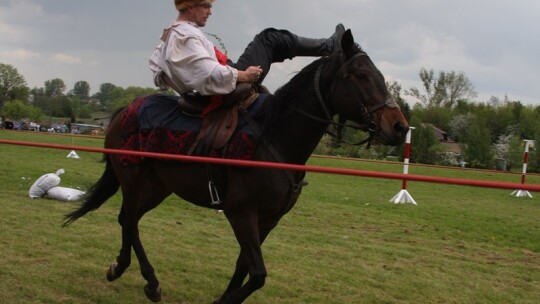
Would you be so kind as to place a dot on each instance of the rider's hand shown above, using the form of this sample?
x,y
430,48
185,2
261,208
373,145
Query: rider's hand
x,y
251,74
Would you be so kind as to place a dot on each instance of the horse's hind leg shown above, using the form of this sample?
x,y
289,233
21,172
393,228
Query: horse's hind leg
x,y
136,202
123,260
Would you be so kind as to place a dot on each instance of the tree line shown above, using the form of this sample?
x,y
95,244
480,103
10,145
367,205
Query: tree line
x,y
18,101
486,132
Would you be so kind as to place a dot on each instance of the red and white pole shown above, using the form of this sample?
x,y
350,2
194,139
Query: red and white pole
x,y
403,196
522,193
525,161
407,157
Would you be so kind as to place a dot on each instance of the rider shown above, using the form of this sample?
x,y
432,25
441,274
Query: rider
x,y
186,60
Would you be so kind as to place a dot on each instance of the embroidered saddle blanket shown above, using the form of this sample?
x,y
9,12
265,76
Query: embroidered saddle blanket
x,y
155,123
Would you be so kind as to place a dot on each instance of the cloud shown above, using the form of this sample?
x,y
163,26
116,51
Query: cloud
x,y
22,8
7,31
488,40
67,59
20,54
25,23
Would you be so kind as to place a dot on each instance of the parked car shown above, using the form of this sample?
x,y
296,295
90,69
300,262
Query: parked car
x,y
8,125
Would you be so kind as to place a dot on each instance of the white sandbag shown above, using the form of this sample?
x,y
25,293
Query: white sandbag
x,y
65,194
44,183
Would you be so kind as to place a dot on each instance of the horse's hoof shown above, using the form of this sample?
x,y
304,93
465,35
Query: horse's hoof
x,y
111,273
153,294
219,300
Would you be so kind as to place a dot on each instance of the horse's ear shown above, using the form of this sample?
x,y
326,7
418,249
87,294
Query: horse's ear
x,y
347,41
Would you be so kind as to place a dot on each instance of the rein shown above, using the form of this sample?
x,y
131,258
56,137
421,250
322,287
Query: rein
x,y
339,126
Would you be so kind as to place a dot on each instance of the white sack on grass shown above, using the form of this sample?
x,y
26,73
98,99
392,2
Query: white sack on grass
x,y
44,183
65,194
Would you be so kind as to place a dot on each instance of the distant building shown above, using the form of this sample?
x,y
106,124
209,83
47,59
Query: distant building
x,y
448,145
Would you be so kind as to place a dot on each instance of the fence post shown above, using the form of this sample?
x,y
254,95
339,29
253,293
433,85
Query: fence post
x,y
72,153
403,196
524,193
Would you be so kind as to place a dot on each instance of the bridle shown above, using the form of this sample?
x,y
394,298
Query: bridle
x,y
372,127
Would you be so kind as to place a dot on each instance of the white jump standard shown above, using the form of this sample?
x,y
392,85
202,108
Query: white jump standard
x,y
403,196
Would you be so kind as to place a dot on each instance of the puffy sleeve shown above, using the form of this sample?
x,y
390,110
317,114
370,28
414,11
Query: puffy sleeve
x,y
194,66
155,67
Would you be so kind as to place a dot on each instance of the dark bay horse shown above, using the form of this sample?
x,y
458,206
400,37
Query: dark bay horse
x,y
347,84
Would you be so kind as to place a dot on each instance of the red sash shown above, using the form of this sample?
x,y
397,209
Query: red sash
x,y
217,100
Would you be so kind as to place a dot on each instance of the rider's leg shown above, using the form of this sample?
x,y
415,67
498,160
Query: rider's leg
x,y
272,45
319,47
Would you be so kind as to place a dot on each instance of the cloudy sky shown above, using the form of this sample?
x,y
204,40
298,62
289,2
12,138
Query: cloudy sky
x,y
496,43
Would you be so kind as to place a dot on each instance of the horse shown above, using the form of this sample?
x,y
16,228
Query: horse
x,y
346,84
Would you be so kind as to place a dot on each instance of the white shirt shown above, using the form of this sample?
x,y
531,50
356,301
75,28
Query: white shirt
x,y
190,61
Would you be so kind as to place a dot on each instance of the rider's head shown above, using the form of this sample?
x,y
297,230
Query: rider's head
x,y
182,5
196,11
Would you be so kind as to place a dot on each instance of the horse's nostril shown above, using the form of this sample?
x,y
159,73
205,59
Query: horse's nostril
x,y
400,128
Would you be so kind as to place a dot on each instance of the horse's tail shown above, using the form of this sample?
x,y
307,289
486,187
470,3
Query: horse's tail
x,y
98,194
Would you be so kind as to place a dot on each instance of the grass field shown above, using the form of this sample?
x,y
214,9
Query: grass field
x,y
342,243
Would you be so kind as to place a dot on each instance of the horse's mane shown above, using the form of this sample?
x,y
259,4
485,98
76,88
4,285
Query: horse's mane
x,y
289,91
297,90
294,91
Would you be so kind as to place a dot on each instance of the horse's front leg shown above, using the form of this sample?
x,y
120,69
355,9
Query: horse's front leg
x,y
241,270
240,273
250,260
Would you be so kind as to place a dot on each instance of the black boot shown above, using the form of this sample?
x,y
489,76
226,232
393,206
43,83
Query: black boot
x,y
319,47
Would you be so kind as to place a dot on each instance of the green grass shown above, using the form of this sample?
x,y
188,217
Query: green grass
x,y
342,243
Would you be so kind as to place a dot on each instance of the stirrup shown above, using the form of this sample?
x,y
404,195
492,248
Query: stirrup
x,y
214,195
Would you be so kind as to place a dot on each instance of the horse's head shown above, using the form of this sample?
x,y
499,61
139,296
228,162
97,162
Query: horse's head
x,y
359,93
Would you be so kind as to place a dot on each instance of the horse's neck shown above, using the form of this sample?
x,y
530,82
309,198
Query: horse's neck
x,y
299,134
301,139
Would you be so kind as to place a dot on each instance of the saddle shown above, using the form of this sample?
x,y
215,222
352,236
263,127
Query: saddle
x,y
219,125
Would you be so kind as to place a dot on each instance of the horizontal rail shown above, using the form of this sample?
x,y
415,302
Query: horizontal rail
x,y
293,167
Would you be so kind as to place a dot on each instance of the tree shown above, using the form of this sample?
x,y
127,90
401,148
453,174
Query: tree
x,y
12,85
81,89
394,88
534,160
434,89
37,92
459,126
446,90
425,147
105,94
528,124
123,97
19,110
458,86
515,153
55,87
477,145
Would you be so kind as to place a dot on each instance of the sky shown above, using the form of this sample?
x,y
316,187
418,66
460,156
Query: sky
x,y
495,43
